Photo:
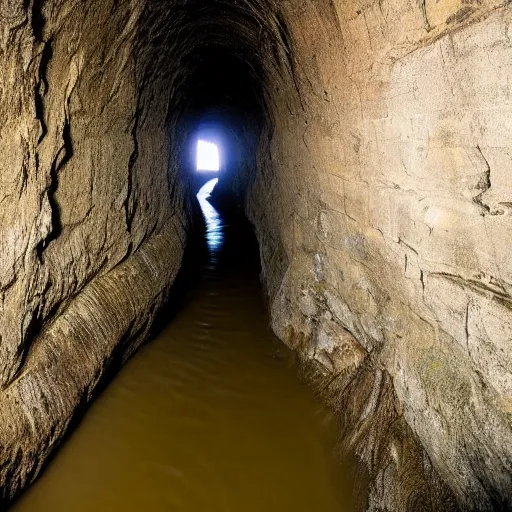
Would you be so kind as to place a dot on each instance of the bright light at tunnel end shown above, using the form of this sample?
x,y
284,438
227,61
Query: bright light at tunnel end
x,y
207,156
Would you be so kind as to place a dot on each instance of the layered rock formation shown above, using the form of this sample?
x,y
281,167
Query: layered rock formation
x,y
91,221
382,206
374,156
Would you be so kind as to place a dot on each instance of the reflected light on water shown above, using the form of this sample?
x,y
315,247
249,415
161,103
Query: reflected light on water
x,y
214,230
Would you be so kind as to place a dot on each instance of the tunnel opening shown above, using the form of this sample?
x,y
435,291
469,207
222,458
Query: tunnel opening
x,y
207,158
224,104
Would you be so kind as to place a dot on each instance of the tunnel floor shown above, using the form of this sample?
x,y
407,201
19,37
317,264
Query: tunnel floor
x,y
211,415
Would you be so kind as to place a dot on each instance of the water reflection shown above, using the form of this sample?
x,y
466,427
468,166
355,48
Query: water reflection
x,y
214,228
210,416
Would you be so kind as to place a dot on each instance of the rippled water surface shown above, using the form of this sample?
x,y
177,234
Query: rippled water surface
x,y
211,415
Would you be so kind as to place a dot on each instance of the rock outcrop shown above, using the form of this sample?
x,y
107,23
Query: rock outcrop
x,y
382,207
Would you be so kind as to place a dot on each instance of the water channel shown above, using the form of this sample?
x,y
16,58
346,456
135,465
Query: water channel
x,y
211,415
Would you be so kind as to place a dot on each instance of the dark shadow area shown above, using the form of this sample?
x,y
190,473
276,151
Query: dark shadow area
x,y
238,253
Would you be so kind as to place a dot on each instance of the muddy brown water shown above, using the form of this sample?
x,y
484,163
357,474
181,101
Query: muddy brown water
x,y
211,415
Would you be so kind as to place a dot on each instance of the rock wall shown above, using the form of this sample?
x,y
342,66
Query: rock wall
x,y
92,216
382,204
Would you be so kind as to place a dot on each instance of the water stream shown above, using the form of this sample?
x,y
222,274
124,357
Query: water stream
x,y
211,415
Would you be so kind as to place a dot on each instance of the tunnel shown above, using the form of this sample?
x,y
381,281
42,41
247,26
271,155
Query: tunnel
x,y
365,158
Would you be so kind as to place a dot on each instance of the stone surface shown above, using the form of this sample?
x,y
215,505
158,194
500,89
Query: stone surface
x,y
385,204
90,237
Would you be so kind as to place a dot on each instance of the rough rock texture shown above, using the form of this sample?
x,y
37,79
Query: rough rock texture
x,y
382,204
90,234
378,191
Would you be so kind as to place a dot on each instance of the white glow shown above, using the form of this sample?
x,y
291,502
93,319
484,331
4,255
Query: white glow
x,y
207,156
